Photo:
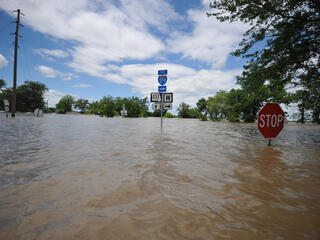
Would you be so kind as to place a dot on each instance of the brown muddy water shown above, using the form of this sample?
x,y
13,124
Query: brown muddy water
x,y
86,177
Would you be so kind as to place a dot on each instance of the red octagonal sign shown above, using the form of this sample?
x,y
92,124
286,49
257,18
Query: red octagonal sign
x,y
270,120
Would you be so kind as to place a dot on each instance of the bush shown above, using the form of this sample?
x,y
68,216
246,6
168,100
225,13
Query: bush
x,y
203,117
169,115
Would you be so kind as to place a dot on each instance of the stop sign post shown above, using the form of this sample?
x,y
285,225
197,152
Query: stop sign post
x,y
270,120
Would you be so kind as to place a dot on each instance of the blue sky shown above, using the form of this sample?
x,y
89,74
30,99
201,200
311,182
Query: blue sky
x,y
90,49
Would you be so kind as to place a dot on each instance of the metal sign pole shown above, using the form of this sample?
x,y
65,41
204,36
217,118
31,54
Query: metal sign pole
x,y
161,108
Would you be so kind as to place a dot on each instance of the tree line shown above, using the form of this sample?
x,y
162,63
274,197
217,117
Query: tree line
x,y
235,105
107,106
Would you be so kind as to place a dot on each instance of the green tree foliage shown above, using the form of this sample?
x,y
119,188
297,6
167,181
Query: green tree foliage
x,y
2,84
65,104
50,110
82,105
233,104
202,106
4,94
169,115
157,113
185,111
136,107
291,34
109,106
217,106
311,84
29,95
303,98
290,29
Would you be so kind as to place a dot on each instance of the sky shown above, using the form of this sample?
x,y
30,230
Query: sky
x,y
94,48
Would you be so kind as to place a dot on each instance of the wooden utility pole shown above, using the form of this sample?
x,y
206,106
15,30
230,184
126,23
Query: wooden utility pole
x,y
14,94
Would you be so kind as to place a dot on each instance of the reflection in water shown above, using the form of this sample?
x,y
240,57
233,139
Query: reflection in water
x,y
86,177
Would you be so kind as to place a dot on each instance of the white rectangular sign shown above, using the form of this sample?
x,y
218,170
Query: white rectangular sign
x,y
123,112
167,106
155,97
168,97
156,106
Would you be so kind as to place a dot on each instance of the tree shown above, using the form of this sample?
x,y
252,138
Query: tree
x,y
202,106
4,93
107,106
157,113
303,98
311,84
289,29
185,111
233,102
65,104
30,96
82,105
290,32
136,107
2,84
217,106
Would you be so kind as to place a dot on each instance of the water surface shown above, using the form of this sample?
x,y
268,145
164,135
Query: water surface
x,y
86,177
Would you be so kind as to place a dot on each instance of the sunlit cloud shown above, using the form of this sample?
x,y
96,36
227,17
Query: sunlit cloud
x,y
49,72
50,54
3,61
82,85
54,96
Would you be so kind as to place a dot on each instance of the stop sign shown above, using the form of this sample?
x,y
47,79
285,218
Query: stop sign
x,y
270,120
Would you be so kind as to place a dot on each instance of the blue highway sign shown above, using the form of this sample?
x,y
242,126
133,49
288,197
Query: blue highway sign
x,y
163,72
162,89
162,80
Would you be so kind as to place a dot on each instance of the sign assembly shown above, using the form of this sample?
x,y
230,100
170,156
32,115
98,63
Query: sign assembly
x,y
124,112
162,100
270,120
6,105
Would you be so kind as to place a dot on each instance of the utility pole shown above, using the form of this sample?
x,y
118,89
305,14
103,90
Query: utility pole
x,y
14,94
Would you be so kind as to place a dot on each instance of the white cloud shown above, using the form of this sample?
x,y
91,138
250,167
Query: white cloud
x,y
188,84
3,61
49,53
82,85
52,73
112,33
104,34
54,96
158,14
210,41
47,71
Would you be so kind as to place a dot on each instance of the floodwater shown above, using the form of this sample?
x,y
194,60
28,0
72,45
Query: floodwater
x,y
86,177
